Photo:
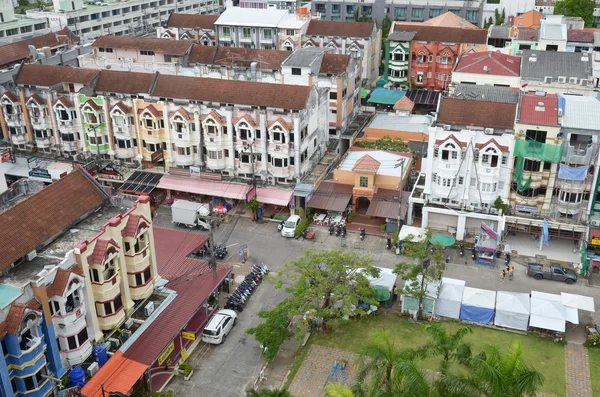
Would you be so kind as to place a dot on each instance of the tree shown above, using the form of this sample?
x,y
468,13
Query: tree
x,y
274,331
499,205
503,17
490,22
268,393
497,16
325,288
504,374
386,25
356,14
450,346
576,8
429,264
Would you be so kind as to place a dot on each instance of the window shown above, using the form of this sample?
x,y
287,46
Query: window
x,y
226,30
531,165
267,33
363,181
332,95
226,153
461,180
290,32
399,56
449,151
435,12
246,33
489,187
296,71
534,135
422,58
418,13
148,53
490,157
400,12
472,16
94,275
366,10
335,8
349,9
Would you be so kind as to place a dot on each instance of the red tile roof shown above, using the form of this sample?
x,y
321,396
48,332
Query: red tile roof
x,y
92,104
245,118
467,112
12,97
282,122
124,82
530,19
36,98
158,46
152,109
64,101
48,76
35,221
170,246
580,36
183,113
119,374
216,116
192,21
14,318
444,34
132,227
232,91
492,140
532,113
18,51
122,107
334,63
528,34
59,284
340,29
366,164
404,103
99,253
452,138
493,63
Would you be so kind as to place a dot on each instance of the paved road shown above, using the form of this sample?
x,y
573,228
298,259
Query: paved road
x,y
228,370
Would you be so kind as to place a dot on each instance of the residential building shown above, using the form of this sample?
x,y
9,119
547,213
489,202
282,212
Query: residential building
x,y
433,52
461,178
291,5
14,27
196,27
474,107
397,58
359,39
557,72
553,33
529,20
113,17
523,39
46,45
487,68
268,29
579,40
499,38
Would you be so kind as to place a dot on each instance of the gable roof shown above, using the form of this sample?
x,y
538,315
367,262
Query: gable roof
x,y
457,111
232,91
449,19
10,96
245,118
452,138
92,104
215,116
39,218
334,63
36,98
18,51
98,255
528,34
63,101
124,82
150,109
131,228
494,142
366,164
59,284
539,110
158,46
404,103
339,29
192,21
530,19
555,64
444,34
486,93
48,76
281,122
122,107
580,36
181,112
491,62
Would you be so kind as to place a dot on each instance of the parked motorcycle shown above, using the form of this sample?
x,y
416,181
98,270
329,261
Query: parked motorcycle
x,y
363,233
280,226
338,230
331,229
344,231
462,250
473,253
388,244
507,259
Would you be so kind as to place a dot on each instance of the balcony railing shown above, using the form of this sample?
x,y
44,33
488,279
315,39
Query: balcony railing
x,y
577,154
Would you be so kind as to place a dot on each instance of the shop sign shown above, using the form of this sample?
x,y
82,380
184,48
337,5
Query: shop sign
x,y
188,335
40,173
166,353
487,230
595,241
526,208
157,156
184,354
6,156
31,159
251,195
109,172
195,171
147,164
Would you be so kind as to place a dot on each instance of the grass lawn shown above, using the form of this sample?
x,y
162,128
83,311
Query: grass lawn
x,y
594,355
543,354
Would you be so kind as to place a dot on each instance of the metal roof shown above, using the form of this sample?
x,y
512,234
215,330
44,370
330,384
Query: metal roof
x,y
423,97
499,32
304,57
581,112
331,196
537,65
251,17
486,93
401,36
141,182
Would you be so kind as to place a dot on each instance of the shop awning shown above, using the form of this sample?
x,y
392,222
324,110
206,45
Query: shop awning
x,y
578,302
382,96
228,190
303,189
274,196
384,205
119,374
331,196
141,182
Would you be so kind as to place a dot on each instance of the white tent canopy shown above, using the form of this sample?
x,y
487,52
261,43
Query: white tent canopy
x,y
547,311
512,310
484,298
387,279
431,287
578,301
418,233
450,298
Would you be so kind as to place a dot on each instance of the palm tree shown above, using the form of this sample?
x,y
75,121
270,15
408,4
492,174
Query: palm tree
x,y
268,393
448,345
504,374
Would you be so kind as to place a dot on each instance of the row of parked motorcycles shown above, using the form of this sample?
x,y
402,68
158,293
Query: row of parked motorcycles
x,y
220,251
339,230
237,300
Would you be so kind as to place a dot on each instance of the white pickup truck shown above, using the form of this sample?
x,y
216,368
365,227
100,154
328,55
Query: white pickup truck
x,y
189,214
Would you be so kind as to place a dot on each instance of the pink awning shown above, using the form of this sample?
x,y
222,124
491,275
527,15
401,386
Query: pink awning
x,y
274,196
208,188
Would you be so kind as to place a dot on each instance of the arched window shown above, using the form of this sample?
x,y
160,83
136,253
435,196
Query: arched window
x,y
490,157
449,152
244,131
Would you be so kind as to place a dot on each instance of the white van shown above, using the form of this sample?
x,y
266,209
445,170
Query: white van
x,y
289,227
219,327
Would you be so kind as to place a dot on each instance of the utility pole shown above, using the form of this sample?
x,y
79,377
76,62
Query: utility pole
x,y
251,147
98,160
212,221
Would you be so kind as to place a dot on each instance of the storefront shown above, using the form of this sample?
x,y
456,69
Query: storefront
x,y
486,246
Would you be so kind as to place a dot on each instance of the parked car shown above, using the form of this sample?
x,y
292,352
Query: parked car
x,y
219,327
553,272
289,227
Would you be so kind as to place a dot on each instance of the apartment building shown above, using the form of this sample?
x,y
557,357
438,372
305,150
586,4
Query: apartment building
x,y
291,5
487,68
197,27
267,29
89,20
14,27
362,40
434,51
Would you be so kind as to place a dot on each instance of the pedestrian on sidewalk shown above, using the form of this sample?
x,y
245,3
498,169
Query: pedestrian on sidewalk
x,y
511,272
502,275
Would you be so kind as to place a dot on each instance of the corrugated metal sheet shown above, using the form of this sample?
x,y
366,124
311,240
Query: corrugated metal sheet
x,y
172,247
331,196
119,374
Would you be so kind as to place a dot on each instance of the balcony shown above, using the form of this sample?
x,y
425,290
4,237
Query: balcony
x,y
280,172
68,146
225,38
125,153
578,154
14,119
65,123
43,143
18,139
570,208
126,131
246,39
68,321
77,356
108,323
40,121
142,291
278,147
574,186
107,290
267,40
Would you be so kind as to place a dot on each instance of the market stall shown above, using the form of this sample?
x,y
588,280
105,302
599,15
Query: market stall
x,y
512,310
478,305
486,245
410,303
450,298
387,280
547,312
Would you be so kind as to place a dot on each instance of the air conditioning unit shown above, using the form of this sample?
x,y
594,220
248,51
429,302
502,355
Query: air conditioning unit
x,y
92,369
32,255
149,309
488,131
114,342
595,223
469,208
447,127
521,132
493,211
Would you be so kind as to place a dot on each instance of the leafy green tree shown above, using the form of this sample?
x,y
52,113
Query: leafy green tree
x,y
497,17
576,8
503,17
428,264
324,289
504,373
274,331
356,14
490,22
385,143
268,393
386,25
450,346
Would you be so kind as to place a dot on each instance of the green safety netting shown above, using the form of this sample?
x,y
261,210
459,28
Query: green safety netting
x,y
537,150
585,264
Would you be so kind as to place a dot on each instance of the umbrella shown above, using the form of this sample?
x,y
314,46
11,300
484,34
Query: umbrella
x,y
442,239
578,301
383,294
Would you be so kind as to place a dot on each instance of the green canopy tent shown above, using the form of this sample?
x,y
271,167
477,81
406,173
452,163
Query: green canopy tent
x,y
382,293
442,239
381,96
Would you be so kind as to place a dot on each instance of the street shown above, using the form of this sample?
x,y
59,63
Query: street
x,y
231,368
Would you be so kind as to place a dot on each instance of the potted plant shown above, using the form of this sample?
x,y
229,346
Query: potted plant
x,y
253,205
187,370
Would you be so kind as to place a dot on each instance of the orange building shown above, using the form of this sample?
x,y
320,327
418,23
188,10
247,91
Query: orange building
x,y
435,49
529,20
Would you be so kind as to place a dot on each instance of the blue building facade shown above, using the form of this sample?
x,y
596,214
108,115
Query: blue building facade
x,y
29,348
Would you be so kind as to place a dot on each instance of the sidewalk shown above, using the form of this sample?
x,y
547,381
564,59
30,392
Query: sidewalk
x,y
577,367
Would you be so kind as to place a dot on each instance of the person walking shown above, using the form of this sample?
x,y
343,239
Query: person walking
x,y
502,275
511,272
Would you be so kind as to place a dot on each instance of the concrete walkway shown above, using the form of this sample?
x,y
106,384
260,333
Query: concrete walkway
x,y
577,367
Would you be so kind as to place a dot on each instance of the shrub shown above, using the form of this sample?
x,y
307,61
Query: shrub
x,y
252,205
351,216
186,368
301,227
383,228
300,212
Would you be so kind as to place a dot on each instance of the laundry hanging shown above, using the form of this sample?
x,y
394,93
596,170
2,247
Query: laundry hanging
x,y
572,173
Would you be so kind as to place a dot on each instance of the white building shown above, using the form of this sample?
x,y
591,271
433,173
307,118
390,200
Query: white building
x,y
462,176
89,20
15,27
